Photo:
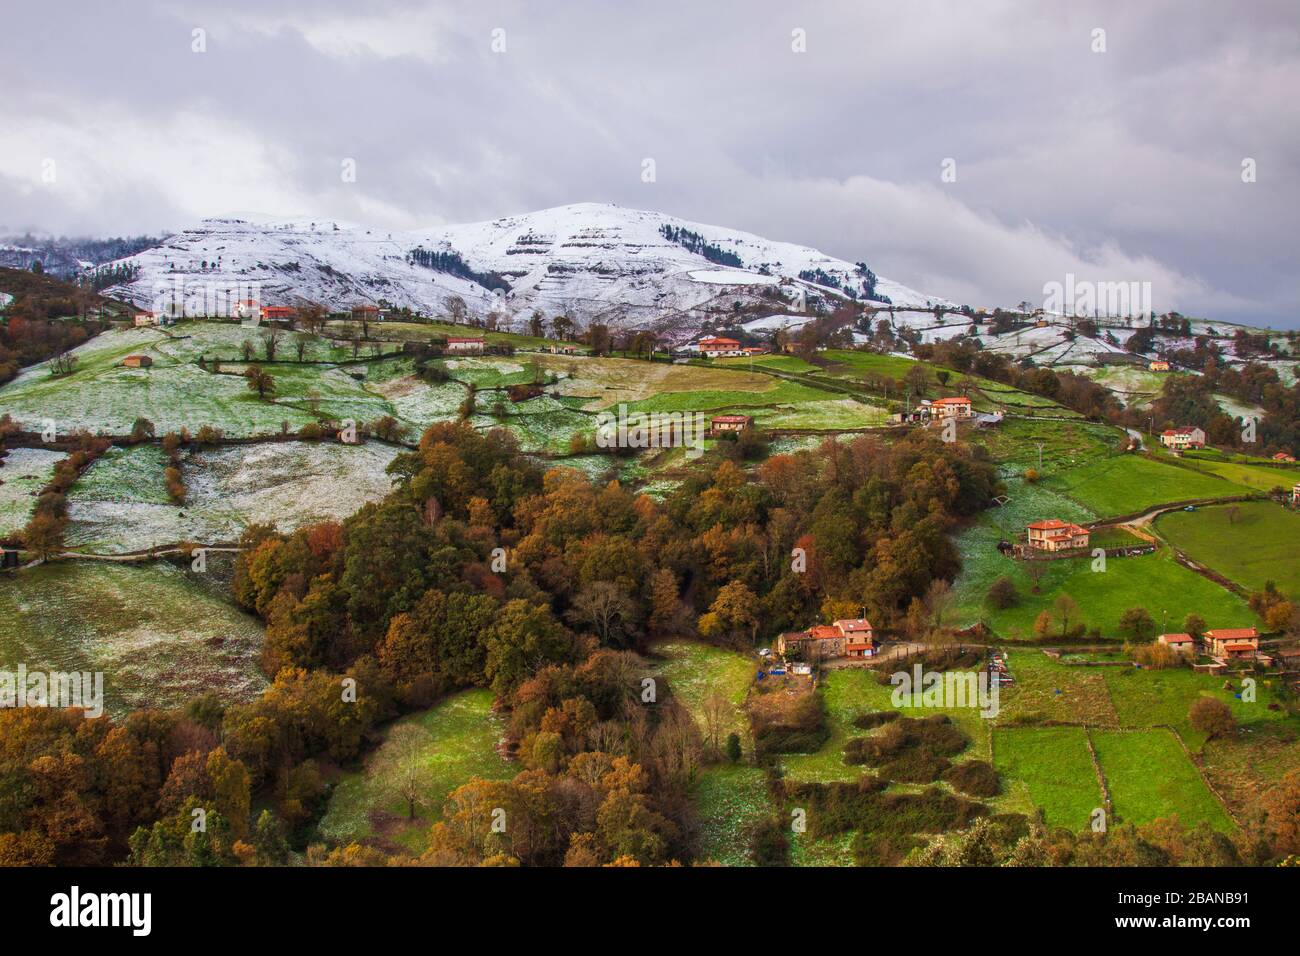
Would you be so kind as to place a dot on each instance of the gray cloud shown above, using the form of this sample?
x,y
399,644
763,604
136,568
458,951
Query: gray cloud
x,y
1118,165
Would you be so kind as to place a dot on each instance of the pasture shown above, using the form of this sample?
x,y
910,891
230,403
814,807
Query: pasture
x,y
463,732
1250,543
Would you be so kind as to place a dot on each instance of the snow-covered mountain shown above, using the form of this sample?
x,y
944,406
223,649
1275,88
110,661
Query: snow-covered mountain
x,y
593,261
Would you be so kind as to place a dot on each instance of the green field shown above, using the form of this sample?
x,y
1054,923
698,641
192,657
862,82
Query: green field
x,y
850,692
730,799
1253,474
1051,765
1126,484
462,732
1250,543
694,670
1156,582
1149,698
1150,777
158,637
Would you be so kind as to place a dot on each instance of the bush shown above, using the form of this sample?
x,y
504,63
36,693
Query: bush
x,y
1211,717
977,778
1002,594
875,719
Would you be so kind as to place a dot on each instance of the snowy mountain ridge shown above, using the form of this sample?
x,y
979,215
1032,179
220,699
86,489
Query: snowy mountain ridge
x,y
593,261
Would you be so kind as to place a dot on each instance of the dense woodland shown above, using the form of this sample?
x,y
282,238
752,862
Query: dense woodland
x,y
403,599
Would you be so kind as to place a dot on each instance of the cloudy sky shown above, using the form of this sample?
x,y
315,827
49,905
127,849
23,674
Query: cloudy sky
x,y
825,123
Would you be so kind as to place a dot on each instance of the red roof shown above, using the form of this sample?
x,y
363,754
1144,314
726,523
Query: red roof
x,y
1283,456
858,647
365,308
1176,638
462,340
1183,430
1238,647
276,310
1056,524
824,632
719,344
1232,634
730,419
856,625
958,400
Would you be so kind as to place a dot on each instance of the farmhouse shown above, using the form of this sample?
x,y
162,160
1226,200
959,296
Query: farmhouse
x,y
1283,456
145,318
1188,436
730,423
277,313
957,407
853,638
137,361
720,348
564,350
1232,642
365,313
1183,643
1056,535
246,309
465,346
1160,365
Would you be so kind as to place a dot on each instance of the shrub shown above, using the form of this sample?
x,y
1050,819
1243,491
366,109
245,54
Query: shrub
x,y
977,778
1002,594
1211,717
875,719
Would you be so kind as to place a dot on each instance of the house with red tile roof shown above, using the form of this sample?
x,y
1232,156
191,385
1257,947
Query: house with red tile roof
x,y
1056,535
1232,642
853,637
720,348
1188,436
730,423
1183,643
469,345
959,406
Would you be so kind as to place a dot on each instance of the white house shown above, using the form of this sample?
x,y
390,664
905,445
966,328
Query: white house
x,y
1188,436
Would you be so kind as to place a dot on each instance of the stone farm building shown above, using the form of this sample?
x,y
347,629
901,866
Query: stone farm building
x,y
1159,365
137,361
730,423
957,407
1188,436
720,348
851,638
1056,535
1229,642
465,346
1183,643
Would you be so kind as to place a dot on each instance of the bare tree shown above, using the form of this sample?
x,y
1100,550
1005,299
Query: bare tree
x,y
402,768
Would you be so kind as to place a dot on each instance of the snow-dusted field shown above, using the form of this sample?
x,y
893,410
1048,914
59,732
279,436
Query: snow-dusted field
x,y
157,637
25,472
288,484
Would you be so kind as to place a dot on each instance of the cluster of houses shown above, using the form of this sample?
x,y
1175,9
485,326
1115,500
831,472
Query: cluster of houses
x,y
849,638
1225,643
958,407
